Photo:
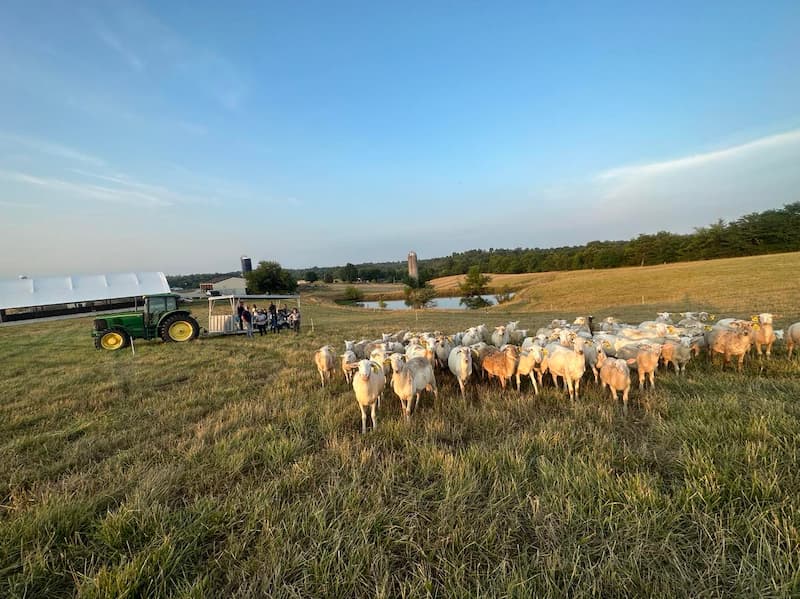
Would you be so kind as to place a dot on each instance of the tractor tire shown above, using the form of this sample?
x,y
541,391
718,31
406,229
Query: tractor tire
x,y
112,340
179,328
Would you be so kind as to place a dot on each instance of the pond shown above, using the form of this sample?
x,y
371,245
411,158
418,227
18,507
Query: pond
x,y
446,303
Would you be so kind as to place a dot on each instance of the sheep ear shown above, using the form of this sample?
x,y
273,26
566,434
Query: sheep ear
x,y
631,360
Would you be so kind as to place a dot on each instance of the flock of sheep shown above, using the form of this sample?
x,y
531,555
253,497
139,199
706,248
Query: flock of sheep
x,y
609,350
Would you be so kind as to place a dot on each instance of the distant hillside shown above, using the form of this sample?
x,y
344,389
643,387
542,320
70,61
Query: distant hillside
x,y
759,233
725,286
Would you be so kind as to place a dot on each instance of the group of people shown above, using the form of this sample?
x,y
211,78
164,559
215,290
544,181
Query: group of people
x,y
272,319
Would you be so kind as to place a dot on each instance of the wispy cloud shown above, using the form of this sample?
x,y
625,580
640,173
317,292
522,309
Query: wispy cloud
x,y
707,158
53,149
76,190
113,42
144,42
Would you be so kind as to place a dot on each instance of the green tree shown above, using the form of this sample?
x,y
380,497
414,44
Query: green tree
x,y
419,297
269,277
311,276
349,273
474,286
353,294
327,277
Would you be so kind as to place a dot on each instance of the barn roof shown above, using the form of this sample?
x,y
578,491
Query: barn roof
x,y
43,291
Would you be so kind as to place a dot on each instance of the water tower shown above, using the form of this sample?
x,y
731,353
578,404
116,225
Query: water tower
x,y
247,265
413,272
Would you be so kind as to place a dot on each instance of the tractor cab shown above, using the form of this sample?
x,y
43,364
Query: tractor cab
x,y
156,305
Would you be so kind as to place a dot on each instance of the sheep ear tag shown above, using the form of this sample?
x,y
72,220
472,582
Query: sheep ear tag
x,y
544,352
387,362
707,328
375,367
754,318
712,317
756,327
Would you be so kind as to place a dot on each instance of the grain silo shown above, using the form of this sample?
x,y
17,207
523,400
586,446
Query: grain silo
x,y
413,272
247,265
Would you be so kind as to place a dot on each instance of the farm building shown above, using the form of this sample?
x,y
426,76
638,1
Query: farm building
x,y
27,298
226,286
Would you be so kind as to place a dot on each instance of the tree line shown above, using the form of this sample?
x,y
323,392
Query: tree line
x,y
768,232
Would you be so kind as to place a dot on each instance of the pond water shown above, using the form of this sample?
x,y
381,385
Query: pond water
x,y
446,303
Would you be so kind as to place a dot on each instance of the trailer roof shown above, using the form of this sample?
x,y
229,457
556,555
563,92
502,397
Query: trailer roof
x,y
44,291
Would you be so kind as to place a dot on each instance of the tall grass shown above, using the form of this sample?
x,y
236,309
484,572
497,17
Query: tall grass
x,y
221,468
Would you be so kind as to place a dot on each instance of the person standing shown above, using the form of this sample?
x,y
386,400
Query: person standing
x,y
294,319
261,322
273,317
239,309
247,317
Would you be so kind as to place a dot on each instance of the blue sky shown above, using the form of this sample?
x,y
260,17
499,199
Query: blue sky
x,y
177,136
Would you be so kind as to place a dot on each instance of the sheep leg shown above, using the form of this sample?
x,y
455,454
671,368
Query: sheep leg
x,y
535,388
569,385
463,389
641,380
624,399
374,417
577,388
789,348
519,387
596,375
363,419
741,362
322,377
652,379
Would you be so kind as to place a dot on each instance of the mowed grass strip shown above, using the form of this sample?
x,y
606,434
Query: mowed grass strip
x,y
221,468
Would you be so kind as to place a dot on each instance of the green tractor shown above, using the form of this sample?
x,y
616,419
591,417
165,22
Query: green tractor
x,y
161,317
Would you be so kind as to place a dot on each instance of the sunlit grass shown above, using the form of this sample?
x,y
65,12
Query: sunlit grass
x,y
221,468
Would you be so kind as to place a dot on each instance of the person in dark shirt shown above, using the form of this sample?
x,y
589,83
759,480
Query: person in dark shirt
x,y
239,309
273,318
247,317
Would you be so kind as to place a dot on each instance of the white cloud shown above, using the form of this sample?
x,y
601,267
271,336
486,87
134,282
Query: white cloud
x,y
53,149
87,191
705,159
113,42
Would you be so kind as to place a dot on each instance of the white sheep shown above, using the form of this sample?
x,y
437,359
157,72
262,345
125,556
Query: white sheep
x,y
531,363
460,364
792,337
349,364
500,336
764,335
615,375
368,385
410,378
569,364
325,361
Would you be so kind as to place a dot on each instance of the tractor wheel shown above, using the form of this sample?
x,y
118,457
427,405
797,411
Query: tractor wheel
x,y
179,328
112,340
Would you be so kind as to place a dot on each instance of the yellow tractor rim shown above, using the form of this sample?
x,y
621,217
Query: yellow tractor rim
x,y
181,331
111,341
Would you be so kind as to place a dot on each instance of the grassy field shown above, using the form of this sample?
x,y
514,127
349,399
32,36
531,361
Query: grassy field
x,y
220,468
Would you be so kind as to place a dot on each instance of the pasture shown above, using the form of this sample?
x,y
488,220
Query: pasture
x,y
221,468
